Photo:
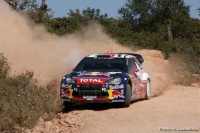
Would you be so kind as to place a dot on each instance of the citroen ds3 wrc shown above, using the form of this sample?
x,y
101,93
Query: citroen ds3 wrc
x,y
106,78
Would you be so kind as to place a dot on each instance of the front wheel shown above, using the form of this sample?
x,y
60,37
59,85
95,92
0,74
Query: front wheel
x,y
128,96
148,90
68,106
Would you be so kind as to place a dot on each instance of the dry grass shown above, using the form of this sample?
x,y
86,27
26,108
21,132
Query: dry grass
x,y
183,71
22,101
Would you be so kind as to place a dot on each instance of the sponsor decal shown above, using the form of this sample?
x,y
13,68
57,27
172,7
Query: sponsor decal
x,y
95,74
133,77
116,86
90,80
89,91
118,100
66,85
115,72
89,97
105,57
110,94
141,85
117,94
75,89
65,99
104,89
65,93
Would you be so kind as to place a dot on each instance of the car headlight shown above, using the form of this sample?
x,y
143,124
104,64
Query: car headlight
x,y
115,81
69,80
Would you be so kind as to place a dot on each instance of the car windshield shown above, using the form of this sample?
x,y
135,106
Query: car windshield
x,y
91,64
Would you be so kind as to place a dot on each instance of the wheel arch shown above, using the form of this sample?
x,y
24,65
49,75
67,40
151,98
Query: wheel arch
x,y
145,76
130,83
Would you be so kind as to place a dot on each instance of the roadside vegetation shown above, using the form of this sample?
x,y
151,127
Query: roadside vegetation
x,y
22,101
151,24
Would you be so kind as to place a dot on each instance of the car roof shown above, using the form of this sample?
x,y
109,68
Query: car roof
x,y
117,55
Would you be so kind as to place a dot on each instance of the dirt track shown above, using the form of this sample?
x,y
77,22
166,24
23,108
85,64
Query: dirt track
x,y
178,108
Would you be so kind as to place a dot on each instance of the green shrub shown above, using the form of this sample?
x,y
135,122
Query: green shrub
x,y
22,101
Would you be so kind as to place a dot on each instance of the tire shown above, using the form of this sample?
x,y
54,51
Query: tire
x,y
148,90
128,96
68,106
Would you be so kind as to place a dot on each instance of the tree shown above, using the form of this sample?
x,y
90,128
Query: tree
x,y
22,5
38,14
149,14
12,3
31,10
199,10
93,13
135,11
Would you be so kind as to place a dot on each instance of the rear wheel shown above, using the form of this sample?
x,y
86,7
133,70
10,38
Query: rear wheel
x,y
148,90
68,106
128,96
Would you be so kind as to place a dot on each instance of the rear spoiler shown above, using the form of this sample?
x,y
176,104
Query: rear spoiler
x,y
138,56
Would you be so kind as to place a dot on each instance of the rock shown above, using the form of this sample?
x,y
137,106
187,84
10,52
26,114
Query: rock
x,y
67,120
197,85
57,129
40,121
196,75
45,116
27,131
63,124
37,129
48,124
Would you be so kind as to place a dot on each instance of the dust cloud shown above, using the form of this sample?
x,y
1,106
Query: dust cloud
x,y
158,69
50,57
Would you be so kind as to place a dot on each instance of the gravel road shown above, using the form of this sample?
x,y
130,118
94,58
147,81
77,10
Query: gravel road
x,y
176,109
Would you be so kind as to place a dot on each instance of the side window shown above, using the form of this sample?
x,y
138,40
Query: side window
x,y
138,63
131,65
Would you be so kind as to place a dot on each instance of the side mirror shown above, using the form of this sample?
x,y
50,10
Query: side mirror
x,y
136,70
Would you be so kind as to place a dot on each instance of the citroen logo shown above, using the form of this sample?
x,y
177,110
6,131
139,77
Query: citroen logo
x,y
90,85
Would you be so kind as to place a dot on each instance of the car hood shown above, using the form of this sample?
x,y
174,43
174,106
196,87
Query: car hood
x,y
86,77
90,74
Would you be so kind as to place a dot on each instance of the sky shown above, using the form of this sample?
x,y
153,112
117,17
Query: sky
x,y
62,7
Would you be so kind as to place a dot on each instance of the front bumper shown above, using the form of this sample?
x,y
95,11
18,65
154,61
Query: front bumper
x,y
92,99
85,100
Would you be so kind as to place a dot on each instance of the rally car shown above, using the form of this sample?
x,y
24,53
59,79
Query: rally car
x,y
106,78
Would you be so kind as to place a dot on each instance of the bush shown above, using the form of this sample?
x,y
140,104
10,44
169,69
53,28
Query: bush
x,y
183,70
22,101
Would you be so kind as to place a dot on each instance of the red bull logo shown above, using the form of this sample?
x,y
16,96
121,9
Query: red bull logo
x,y
65,93
66,85
117,94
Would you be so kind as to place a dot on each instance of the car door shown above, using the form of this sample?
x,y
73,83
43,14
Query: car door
x,y
132,67
139,74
